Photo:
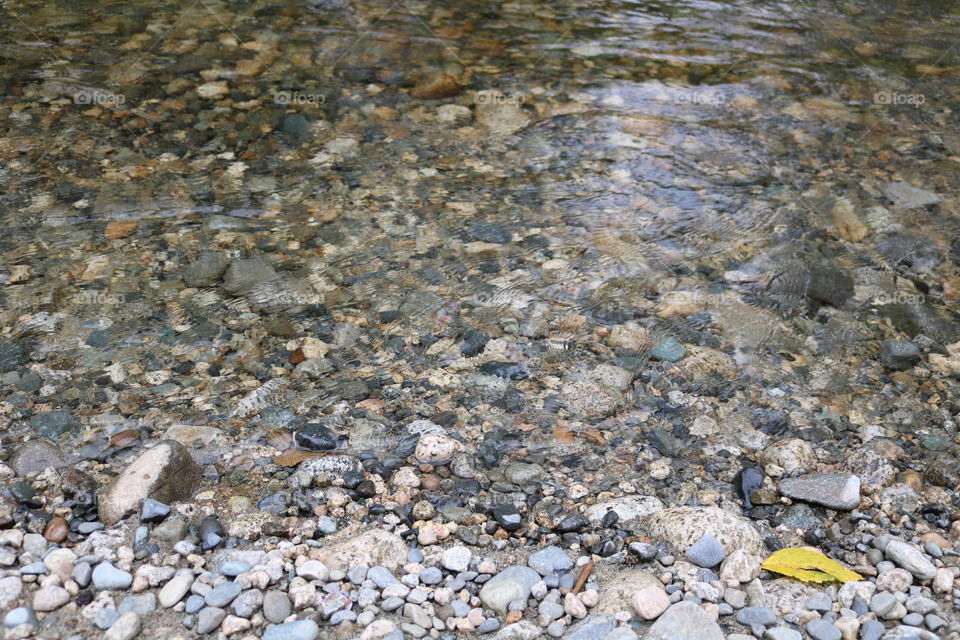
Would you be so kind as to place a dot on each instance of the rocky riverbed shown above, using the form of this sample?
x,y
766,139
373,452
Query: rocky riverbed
x,y
506,320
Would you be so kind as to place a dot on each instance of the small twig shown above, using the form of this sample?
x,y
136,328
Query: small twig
x,y
584,574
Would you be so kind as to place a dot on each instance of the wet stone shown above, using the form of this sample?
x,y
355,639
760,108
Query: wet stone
x,y
316,437
834,490
899,355
53,424
508,517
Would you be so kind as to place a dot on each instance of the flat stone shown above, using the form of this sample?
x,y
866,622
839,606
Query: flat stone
x,y
297,630
222,595
165,473
276,606
50,598
627,508
209,619
684,621
834,490
903,194
820,629
36,455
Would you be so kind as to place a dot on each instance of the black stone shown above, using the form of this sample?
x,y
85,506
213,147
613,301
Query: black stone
x,y
366,489
745,483
508,517
153,511
12,355
610,518
473,343
573,522
316,437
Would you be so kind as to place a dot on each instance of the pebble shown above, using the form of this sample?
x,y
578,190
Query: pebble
x,y
650,602
684,620
706,552
456,559
107,577
209,619
513,583
18,616
176,588
820,629
50,598
911,559
126,627
276,606
222,595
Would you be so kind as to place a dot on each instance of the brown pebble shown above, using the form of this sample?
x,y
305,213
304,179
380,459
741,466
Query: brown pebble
x,y
441,85
56,530
513,616
429,482
119,229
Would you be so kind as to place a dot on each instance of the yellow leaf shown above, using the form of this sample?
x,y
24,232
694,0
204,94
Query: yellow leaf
x,y
809,566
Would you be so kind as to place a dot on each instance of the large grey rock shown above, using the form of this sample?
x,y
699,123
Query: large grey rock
x,y
683,526
513,583
165,473
628,508
246,275
834,490
684,621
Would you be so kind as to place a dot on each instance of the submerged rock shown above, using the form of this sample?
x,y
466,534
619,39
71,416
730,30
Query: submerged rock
x,y
165,473
833,490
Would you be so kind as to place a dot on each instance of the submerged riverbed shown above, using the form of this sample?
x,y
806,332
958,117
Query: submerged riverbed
x,y
473,277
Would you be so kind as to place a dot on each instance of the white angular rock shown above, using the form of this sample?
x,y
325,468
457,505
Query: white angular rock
x,y
628,508
684,526
370,548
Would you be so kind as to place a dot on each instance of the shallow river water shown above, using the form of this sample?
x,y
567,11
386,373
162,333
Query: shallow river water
x,y
585,234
